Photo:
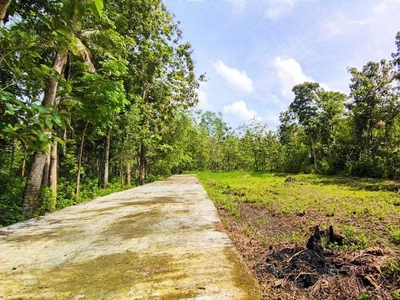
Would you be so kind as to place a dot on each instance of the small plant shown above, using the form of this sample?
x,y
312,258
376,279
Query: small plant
x,y
392,270
246,231
396,294
396,237
355,238
364,296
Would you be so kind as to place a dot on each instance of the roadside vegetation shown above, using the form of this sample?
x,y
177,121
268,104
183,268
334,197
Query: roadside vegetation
x,y
269,218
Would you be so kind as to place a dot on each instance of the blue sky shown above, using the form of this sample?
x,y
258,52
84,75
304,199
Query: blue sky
x,y
254,51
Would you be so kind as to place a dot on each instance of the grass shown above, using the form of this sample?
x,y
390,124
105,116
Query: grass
x,y
365,210
264,215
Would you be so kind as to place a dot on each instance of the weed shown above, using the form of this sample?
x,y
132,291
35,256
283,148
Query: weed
x,y
356,239
396,294
392,270
364,296
396,237
247,231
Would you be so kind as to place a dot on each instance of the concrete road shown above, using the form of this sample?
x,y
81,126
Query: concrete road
x,y
158,241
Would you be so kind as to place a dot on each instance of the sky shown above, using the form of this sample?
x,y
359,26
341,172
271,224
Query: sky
x,y
254,51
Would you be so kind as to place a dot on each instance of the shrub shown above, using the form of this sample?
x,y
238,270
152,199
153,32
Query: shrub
x,y
46,202
11,190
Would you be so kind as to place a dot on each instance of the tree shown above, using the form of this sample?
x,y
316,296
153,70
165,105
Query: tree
x,y
396,56
306,110
216,129
291,136
69,13
253,142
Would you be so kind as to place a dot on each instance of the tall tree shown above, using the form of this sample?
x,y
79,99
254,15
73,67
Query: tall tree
x,y
69,13
305,108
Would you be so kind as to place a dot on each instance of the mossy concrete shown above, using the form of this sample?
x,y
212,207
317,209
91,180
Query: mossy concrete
x,y
157,241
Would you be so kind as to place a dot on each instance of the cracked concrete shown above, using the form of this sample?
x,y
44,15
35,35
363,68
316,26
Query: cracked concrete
x,y
158,241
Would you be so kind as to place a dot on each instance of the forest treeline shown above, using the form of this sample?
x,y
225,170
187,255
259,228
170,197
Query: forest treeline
x,y
321,131
92,96
99,96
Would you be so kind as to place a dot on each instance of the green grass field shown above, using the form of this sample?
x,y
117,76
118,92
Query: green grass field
x,y
365,209
264,215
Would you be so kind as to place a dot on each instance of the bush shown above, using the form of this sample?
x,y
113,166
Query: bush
x,y
46,202
65,193
369,167
11,191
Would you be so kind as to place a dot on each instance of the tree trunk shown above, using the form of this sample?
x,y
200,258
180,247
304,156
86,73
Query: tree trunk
x,y
46,170
32,187
65,138
12,157
142,164
313,153
53,168
78,175
128,173
3,9
23,164
106,158
33,183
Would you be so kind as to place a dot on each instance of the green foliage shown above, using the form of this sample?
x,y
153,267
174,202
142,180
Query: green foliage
x,y
30,123
396,237
46,202
392,270
65,194
11,189
364,296
355,239
396,294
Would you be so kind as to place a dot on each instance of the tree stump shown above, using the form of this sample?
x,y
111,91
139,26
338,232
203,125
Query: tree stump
x,y
335,237
290,180
314,242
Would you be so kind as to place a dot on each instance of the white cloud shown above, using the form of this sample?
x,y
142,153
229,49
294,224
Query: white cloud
x,y
203,104
237,79
290,73
279,8
240,110
342,22
272,119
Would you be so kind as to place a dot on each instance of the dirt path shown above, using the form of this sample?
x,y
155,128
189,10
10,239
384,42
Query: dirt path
x,y
158,241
